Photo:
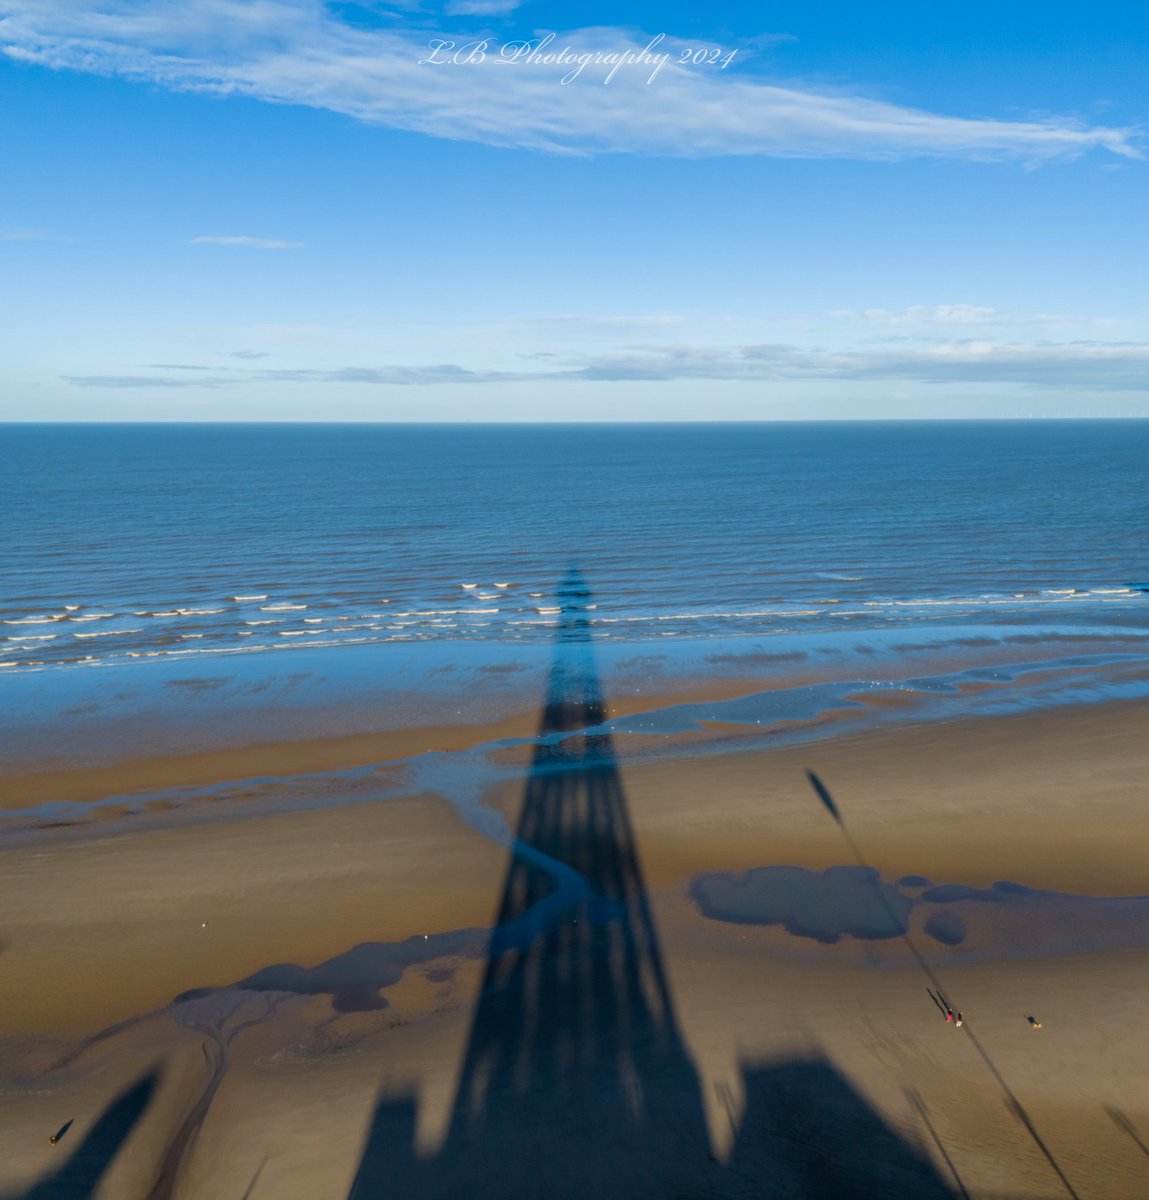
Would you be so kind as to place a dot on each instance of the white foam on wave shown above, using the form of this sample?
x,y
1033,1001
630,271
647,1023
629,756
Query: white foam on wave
x,y
502,585
164,612
313,620
924,602
263,597
269,621
467,586
71,607
544,612
106,633
1045,598
759,612
32,637
281,607
441,612
44,620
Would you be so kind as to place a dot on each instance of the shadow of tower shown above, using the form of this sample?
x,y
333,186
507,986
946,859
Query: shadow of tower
x,y
576,1082
575,1024
575,1058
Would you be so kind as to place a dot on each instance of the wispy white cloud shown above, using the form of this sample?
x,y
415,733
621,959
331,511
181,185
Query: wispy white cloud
x,y
301,52
257,243
1099,366
398,376
921,314
921,318
24,235
144,381
1109,366
481,8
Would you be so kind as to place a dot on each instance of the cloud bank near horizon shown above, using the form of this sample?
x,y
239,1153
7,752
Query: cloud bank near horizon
x,y
300,52
1099,366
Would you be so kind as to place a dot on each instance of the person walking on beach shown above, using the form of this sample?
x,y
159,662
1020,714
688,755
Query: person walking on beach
x,y
943,1005
1034,1023
958,1020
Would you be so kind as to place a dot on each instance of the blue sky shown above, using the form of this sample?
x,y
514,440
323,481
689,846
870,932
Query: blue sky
x,y
272,210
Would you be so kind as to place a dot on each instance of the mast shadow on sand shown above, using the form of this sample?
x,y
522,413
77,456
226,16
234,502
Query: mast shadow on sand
x,y
576,1082
1012,1103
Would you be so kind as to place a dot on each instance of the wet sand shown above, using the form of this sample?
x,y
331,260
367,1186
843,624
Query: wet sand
x,y
103,932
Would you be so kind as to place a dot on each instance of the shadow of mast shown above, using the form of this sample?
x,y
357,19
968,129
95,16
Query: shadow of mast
x,y
576,1082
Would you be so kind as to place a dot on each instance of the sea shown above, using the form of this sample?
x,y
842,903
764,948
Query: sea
x,y
162,554
122,542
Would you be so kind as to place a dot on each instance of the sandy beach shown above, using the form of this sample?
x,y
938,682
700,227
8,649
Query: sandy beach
x,y
220,1001
576,632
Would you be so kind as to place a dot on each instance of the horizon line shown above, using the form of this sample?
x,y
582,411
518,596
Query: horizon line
x,y
496,423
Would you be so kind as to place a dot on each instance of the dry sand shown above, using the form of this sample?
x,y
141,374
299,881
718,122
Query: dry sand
x,y
99,934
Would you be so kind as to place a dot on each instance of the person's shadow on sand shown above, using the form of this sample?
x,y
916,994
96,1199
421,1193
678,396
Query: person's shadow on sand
x,y
576,1082
78,1178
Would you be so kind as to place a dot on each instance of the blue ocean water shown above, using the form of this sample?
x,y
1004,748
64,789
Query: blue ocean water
x,y
120,543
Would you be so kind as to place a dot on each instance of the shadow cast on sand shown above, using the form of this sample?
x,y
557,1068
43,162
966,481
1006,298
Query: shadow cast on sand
x,y
80,1175
937,993
576,1082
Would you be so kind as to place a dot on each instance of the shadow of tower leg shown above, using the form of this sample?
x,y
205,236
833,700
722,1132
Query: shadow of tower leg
x,y
79,1178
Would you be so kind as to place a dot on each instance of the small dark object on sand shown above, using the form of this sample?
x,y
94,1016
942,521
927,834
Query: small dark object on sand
x,y
60,1132
1034,1022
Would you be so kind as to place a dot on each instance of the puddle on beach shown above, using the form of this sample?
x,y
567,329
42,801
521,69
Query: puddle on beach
x,y
854,902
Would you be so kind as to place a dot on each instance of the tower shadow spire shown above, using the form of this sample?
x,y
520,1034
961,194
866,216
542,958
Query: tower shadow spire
x,y
574,1007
